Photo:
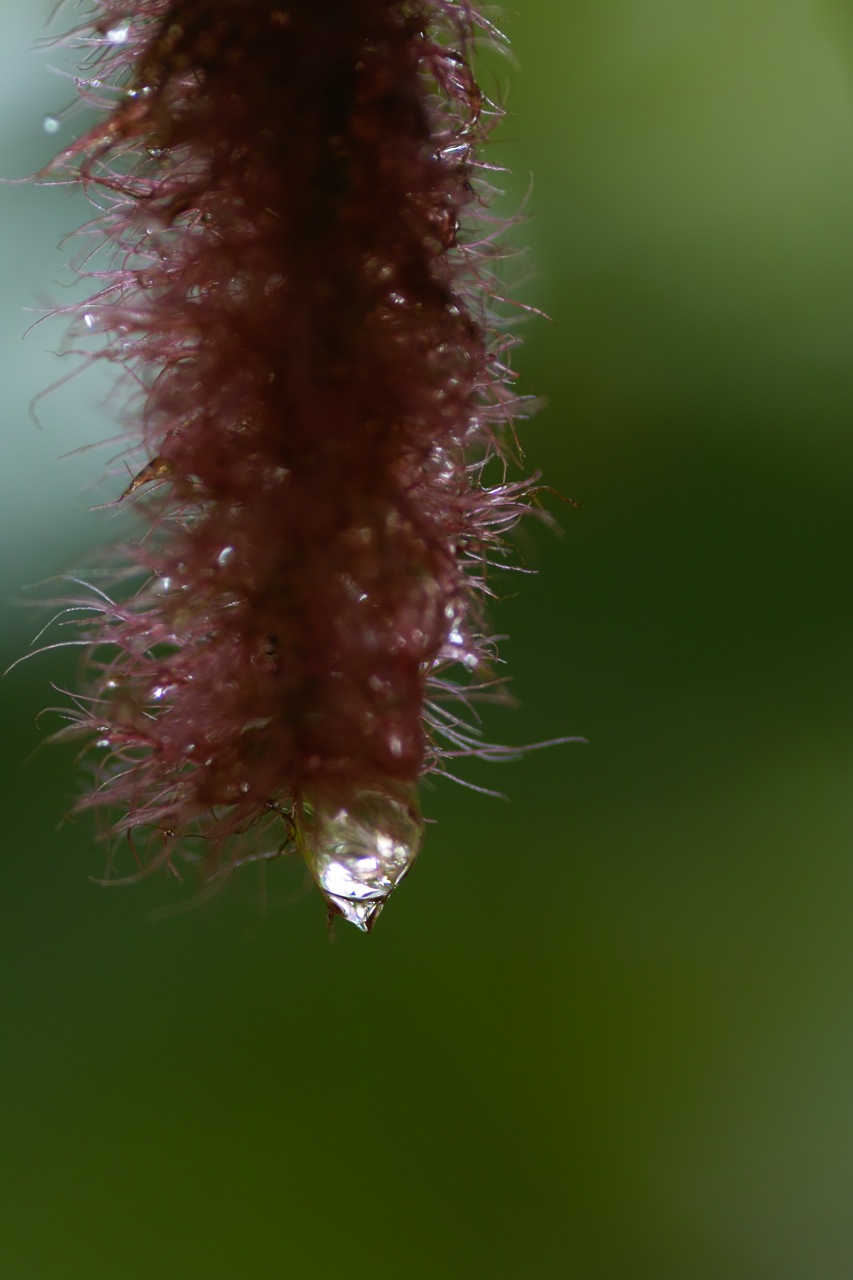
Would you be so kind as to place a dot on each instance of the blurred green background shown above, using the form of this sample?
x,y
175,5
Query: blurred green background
x,y
605,1030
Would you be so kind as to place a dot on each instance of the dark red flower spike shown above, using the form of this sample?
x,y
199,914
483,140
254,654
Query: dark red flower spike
x,y
299,291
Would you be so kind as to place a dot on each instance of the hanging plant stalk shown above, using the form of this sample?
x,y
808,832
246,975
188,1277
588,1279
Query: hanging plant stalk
x,y
295,206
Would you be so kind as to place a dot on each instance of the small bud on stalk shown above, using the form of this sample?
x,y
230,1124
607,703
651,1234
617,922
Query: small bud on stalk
x,y
300,291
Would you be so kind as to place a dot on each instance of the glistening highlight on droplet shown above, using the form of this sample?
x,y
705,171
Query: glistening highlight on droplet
x,y
359,854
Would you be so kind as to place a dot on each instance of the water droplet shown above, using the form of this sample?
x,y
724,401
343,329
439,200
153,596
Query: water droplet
x,y
119,33
225,555
51,124
358,855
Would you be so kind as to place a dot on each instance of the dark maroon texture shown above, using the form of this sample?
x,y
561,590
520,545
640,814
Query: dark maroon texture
x,y
300,290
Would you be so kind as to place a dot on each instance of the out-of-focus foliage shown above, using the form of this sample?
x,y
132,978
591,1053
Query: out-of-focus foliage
x,y
603,1030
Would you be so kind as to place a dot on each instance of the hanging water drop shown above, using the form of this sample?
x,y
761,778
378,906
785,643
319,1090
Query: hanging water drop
x,y
358,855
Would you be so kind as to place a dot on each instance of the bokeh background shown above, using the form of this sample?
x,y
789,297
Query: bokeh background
x,y
605,1029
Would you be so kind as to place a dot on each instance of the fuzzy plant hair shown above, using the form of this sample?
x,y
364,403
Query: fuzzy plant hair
x,y
292,206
